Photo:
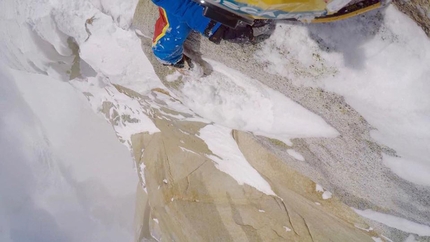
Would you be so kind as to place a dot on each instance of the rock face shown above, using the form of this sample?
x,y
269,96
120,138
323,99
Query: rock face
x,y
193,201
189,199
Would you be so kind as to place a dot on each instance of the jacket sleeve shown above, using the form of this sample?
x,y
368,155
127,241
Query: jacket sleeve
x,y
188,11
169,36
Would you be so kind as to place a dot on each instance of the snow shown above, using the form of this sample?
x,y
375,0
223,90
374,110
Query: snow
x,y
229,159
319,188
134,117
395,222
63,173
295,154
380,65
187,150
64,176
411,238
325,194
287,229
234,100
377,239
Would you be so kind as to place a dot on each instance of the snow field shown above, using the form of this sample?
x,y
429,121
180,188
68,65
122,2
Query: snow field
x,y
395,222
382,73
64,175
234,100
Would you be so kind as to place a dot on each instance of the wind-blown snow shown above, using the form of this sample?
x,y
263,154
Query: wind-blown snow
x,y
63,174
395,222
380,64
295,154
237,101
229,159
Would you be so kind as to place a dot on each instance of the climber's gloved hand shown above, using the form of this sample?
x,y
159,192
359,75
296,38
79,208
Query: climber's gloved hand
x,y
259,31
241,34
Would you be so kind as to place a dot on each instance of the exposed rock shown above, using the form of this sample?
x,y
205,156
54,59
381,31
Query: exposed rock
x,y
189,199
350,166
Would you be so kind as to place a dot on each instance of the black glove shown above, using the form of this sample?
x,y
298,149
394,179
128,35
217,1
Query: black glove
x,y
241,34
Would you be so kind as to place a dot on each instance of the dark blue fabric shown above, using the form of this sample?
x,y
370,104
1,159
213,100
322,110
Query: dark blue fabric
x,y
183,17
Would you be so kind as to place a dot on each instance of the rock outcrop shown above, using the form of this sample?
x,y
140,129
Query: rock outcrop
x,y
350,165
189,199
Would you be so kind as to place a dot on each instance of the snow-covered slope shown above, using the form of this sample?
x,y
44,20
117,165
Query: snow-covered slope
x,y
66,160
63,174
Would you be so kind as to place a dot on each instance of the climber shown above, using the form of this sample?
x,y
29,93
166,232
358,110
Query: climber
x,y
176,21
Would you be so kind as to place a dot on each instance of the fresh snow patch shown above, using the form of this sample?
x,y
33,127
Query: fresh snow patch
x,y
367,230
155,220
229,159
326,194
287,229
232,99
142,176
377,239
411,238
295,154
187,150
383,75
418,173
395,222
319,188
62,168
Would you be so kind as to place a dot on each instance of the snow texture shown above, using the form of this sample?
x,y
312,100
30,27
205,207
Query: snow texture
x,y
395,222
63,174
295,154
383,75
229,159
234,100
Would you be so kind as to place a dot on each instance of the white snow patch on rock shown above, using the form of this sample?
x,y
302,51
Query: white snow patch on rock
x,y
234,100
295,154
325,194
382,75
395,222
229,159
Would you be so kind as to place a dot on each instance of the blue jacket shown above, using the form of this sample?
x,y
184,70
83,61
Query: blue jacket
x,y
177,19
